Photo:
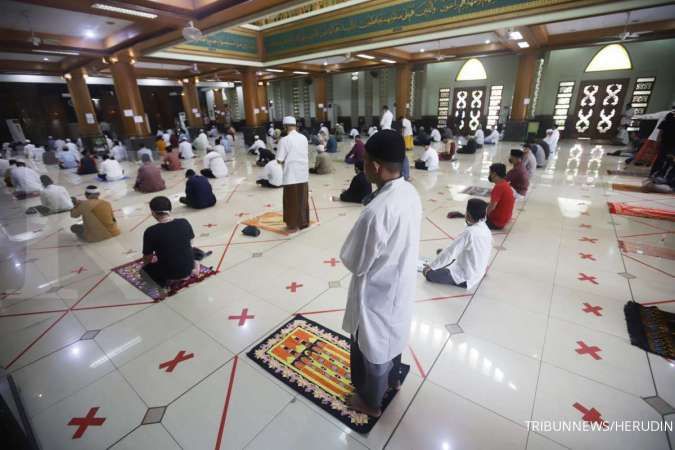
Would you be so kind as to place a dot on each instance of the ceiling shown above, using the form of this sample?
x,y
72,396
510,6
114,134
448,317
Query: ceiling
x,y
29,57
58,21
461,41
659,13
152,65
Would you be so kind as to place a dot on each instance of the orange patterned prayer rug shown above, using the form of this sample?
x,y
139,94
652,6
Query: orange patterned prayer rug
x,y
132,273
646,249
314,361
624,209
270,221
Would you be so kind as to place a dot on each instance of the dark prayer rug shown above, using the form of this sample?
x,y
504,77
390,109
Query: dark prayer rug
x,y
477,190
630,172
648,250
651,329
132,273
624,209
314,361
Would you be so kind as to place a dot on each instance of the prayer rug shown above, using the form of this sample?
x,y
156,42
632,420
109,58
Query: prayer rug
x,y
477,190
647,250
651,329
624,209
314,361
271,221
132,273
633,188
630,172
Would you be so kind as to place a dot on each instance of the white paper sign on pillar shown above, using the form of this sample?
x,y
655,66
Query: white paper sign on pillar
x,y
138,119
90,118
128,113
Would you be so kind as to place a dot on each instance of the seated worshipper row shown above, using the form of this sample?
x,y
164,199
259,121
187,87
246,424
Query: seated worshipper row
x,y
201,142
144,151
359,187
214,165
465,261
110,170
69,157
258,144
185,149
272,176
87,164
168,254
448,150
149,178
356,153
32,152
328,141
26,181
198,191
552,138
538,156
323,165
264,156
518,176
493,137
222,146
429,159
119,152
98,220
171,160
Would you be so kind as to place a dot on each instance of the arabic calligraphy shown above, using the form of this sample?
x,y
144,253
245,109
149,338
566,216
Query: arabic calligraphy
x,y
223,40
390,18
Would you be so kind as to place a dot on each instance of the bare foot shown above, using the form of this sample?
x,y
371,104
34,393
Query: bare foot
x,y
291,230
356,403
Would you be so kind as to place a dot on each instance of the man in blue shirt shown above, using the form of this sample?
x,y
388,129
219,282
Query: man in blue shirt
x,y
198,192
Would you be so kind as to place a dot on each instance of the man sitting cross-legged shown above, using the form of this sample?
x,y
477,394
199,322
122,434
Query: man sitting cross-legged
x,y
98,220
359,187
198,191
465,262
167,247
502,198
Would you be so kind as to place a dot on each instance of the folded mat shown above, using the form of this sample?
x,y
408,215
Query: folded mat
x,y
624,209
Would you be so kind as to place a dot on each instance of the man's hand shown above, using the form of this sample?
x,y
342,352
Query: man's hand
x,y
425,270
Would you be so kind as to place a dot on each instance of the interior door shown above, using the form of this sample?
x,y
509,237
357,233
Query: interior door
x,y
467,109
599,107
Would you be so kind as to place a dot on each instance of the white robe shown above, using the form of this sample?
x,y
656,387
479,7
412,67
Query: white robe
x,y
386,120
215,162
26,180
185,150
119,152
201,142
144,151
56,198
112,170
294,153
658,116
381,252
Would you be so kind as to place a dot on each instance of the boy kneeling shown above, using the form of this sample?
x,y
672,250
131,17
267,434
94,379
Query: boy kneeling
x,y
465,262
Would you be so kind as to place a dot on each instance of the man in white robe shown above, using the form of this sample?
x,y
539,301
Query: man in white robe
x,y
185,149
381,252
201,142
387,118
293,155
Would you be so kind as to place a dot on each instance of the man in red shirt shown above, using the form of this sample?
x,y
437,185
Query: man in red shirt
x,y
518,176
502,199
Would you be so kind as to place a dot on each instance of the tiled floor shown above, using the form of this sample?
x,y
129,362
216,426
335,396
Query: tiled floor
x,y
543,336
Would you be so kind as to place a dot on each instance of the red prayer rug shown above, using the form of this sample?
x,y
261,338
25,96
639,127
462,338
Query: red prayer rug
x,y
314,361
646,249
624,209
132,273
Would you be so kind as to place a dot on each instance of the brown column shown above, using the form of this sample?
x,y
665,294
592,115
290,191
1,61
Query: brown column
x,y
190,99
527,69
264,116
219,105
319,83
84,108
132,112
403,79
250,88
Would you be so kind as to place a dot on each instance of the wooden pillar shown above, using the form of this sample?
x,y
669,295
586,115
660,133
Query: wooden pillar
x,y
319,83
527,70
134,122
250,88
219,105
84,108
403,80
190,99
263,104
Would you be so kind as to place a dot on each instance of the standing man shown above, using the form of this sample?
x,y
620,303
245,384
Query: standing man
x,y
387,118
293,155
381,252
407,132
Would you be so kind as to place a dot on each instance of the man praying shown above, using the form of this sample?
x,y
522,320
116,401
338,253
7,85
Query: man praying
x,y
293,155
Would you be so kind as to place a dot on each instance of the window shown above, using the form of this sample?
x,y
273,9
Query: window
x,y
562,104
640,99
610,57
472,70
494,105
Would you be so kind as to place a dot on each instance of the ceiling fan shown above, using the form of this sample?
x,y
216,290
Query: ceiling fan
x,y
627,35
37,41
192,33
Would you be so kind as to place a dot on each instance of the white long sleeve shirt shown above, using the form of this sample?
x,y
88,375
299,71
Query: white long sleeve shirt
x,y
381,252
257,144
386,120
470,252
112,170
119,152
26,180
56,198
144,151
272,172
407,127
294,153
435,135
185,150
215,162
430,158
493,137
479,136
